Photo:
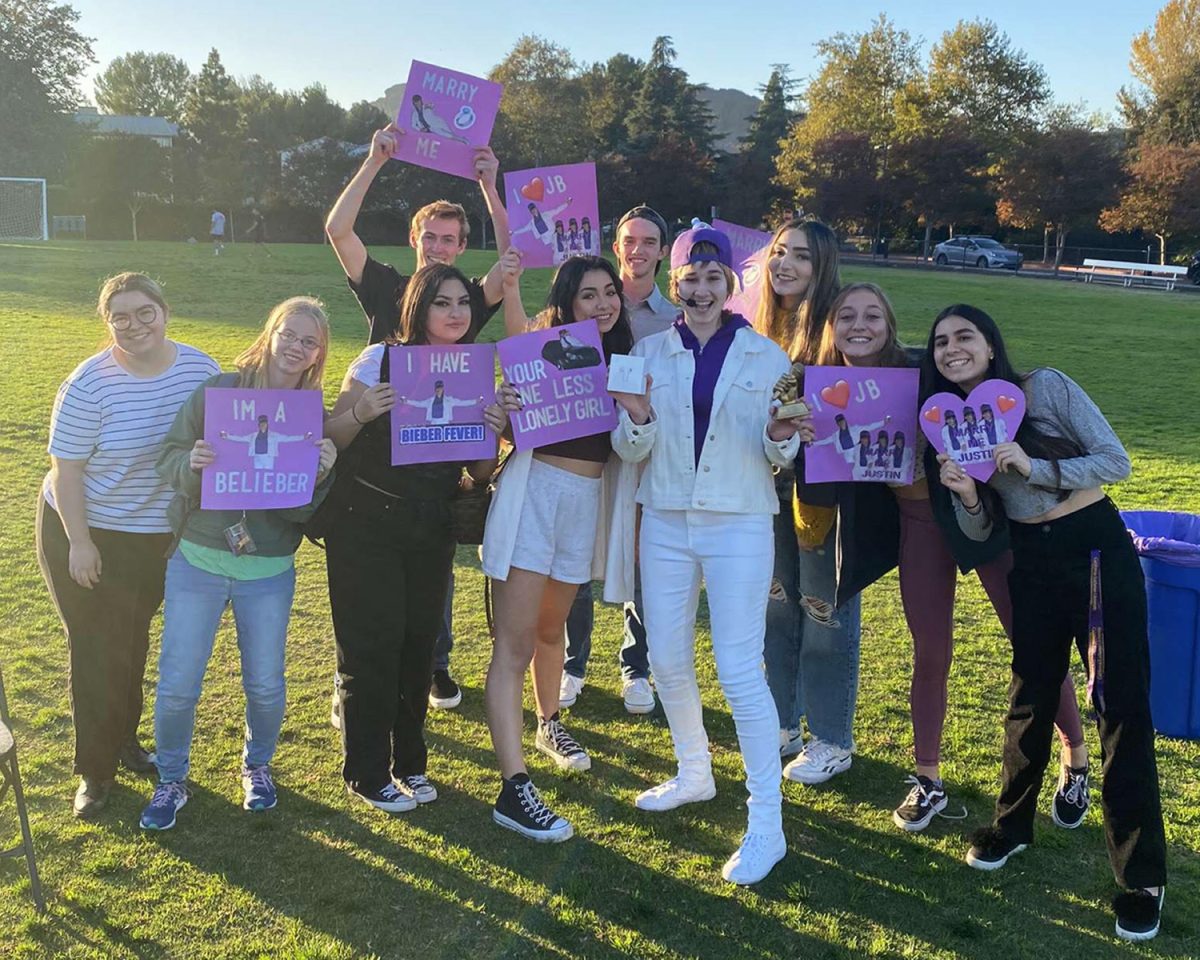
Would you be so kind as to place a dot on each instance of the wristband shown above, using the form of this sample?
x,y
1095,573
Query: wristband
x,y
354,414
973,511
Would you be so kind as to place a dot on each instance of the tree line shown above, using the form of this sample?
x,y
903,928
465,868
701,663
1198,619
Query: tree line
x,y
884,139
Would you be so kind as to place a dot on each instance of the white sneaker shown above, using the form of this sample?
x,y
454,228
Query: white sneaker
x,y
638,694
753,860
791,742
817,762
675,793
569,688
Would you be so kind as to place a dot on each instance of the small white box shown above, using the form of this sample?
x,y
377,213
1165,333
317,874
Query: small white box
x,y
627,374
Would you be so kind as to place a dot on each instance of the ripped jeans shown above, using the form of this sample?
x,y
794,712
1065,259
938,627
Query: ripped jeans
x,y
811,648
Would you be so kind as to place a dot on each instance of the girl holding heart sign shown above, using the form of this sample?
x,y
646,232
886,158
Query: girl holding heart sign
x,y
1075,575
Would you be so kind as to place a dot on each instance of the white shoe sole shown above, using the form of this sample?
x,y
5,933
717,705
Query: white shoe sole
x,y
727,873
638,709
663,804
148,826
916,826
398,806
1067,826
797,774
447,703
538,836
979,864
1135,936
578,762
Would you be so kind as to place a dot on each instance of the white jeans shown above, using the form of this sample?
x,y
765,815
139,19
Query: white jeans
x,y
734,553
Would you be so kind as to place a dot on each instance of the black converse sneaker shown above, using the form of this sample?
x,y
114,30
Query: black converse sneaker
x,y
521,808
444,692
1072,797
990,849
554,741
1138,914
925,800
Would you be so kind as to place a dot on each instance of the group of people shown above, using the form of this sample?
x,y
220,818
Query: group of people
x,y
700,483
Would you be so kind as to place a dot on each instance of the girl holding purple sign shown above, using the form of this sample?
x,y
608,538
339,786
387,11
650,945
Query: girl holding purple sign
x,y
1075,577
704,432
239,558
102,528
389,552
546,534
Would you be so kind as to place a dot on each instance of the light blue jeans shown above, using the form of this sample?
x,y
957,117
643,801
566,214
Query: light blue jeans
x,y
195,601
811,647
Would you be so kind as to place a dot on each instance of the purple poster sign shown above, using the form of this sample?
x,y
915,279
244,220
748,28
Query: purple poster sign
x,y
969,429
561,376
266,442
866,424
440,396
554,213
750,250
444,115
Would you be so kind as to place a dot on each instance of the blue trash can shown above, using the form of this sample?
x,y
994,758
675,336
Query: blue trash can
x,y
1169,547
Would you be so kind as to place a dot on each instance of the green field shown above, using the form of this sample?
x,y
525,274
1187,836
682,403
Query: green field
x,y
325,877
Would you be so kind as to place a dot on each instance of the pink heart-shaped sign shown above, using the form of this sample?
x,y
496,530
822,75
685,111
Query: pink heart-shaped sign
x,y
534,190
968,430
837,395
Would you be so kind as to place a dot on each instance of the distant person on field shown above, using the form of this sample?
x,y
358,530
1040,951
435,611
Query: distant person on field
x,y
216,231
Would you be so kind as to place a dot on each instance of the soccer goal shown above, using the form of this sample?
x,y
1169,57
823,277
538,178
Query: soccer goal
x,y
23,209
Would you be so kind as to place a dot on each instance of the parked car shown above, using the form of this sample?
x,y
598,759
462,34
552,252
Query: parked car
x,y
981,252
1193,273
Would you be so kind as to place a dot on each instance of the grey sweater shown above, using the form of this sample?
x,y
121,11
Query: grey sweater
x,y
1060,408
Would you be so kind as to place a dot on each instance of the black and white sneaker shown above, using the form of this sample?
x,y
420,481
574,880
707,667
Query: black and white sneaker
x,y
990,849
387,798
1138,913
521,808
417,786
925,800
444,694
554,741
1072,798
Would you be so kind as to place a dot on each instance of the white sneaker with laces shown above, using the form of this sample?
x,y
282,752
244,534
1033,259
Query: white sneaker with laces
x,y
638,694
791,742
569,688
817,762
755,858
675,793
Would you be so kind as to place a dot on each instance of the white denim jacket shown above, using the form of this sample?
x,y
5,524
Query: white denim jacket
x,y
734,474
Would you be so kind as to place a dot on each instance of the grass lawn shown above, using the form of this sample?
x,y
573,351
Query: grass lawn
x,y
325,877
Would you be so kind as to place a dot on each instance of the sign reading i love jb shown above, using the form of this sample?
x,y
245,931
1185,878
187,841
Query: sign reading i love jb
x,y
969,429
554,213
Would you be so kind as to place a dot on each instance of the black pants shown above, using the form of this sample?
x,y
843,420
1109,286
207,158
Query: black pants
x,y
108,633
389,565
1050,592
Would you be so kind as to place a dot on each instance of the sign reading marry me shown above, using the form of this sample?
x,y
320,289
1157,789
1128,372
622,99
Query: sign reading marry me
x,y
554,213
267,448
440,396
561,376
445,115
865,422
750,251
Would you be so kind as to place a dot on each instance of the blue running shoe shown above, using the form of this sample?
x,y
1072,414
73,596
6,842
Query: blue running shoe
x,y
168,799
259,789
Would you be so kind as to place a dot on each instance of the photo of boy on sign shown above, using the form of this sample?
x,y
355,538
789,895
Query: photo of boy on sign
x,y
567,353
440,408
263,444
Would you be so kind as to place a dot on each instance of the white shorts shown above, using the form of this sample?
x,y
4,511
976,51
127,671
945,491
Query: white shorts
x,y
556,533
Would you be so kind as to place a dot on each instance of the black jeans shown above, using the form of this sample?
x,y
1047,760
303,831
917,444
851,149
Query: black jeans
x,y
389,565
1050,584
108,633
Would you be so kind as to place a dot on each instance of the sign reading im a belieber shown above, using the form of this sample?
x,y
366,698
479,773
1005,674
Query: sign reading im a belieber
x,y
561,376
865,421
554,213
445,115
750,251
267,446
440,396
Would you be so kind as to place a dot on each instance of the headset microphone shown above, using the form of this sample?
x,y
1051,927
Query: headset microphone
x,y
689,302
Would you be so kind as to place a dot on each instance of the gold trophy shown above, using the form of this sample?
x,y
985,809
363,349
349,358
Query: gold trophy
x,y
787,392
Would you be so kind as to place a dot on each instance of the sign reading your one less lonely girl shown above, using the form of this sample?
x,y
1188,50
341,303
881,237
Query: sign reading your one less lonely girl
x,y
445,115
865,421
969,429
561,376
554,213
440,396
267,448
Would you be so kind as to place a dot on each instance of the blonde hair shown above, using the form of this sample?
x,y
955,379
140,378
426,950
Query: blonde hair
x,y
678,273
252,362
892,354
439,210
127,282
798,331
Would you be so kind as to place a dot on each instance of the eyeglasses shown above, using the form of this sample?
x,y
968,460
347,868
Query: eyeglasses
x,y
288,338
146,316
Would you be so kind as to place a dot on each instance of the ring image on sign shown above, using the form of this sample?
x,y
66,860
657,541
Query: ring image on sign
x,y
968,430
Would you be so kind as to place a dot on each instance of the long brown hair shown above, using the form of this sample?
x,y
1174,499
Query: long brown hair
x,y
419,295
799,331
252,362
892,354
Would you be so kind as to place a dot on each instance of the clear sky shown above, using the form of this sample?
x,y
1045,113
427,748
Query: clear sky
x,y
358,48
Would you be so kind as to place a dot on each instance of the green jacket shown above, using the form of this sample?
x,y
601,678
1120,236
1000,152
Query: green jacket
x,y
276,533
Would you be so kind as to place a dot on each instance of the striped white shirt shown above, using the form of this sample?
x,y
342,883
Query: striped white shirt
x,y
117,422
